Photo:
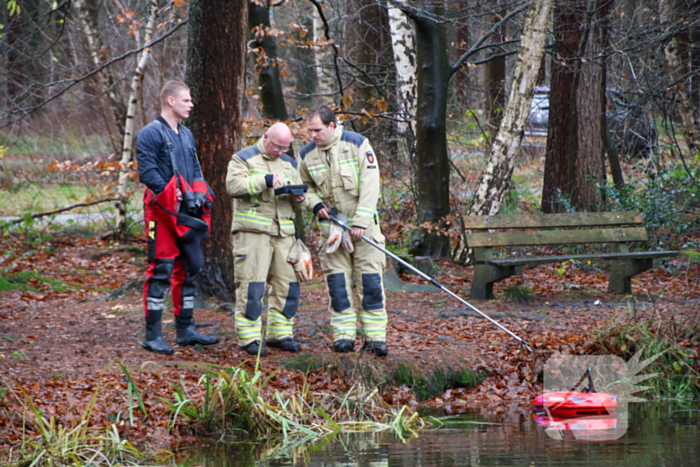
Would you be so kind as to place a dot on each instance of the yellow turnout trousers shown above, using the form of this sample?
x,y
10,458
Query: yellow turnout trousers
x,y
368,263
259,258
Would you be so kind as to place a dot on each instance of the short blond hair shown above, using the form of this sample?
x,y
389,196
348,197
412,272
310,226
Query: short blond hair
x,y
172,88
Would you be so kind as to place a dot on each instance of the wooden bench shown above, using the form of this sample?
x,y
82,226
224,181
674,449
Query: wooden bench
x,y
616,229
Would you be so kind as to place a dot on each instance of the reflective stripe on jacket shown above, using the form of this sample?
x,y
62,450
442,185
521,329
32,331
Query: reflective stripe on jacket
x,y
344,174
255,206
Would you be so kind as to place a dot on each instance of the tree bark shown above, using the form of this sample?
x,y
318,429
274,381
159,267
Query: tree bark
x,y
573,164
567,37
495,80
136,82
216,76
432,177
688,111
324,83
268,71
496,178
587,152
403,42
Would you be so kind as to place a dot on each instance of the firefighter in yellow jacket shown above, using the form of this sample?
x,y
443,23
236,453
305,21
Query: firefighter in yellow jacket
x,y
263,234
342,172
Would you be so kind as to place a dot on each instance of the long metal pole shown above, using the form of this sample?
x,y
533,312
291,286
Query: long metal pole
x,y
432,281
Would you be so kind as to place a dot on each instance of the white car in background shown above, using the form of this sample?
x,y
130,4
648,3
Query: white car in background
x,y
535,134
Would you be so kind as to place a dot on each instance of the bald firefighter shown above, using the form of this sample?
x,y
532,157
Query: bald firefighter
x,y
342,172
263,235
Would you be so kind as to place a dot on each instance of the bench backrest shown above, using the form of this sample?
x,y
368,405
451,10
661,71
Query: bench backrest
x,y
596,227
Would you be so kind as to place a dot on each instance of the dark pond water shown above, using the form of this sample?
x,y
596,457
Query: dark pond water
x,y
657,435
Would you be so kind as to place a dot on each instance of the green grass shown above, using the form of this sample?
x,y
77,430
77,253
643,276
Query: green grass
x,y
518,293
678,369
233,404
33,197
429,384
54,146
22,281
56,444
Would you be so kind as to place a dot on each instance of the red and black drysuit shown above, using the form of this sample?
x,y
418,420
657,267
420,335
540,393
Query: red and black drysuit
x,y
177,211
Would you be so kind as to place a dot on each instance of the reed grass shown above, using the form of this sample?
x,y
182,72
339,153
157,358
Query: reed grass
x,y
55,444
233,404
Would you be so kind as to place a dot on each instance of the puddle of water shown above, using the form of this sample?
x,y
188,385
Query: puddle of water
x,y
658,434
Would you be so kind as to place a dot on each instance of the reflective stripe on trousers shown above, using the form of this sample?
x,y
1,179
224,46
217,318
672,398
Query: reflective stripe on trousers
x,y
368,264
259,259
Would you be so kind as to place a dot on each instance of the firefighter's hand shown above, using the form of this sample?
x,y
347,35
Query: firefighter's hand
x,y
276,180
357,232
300,198
323,213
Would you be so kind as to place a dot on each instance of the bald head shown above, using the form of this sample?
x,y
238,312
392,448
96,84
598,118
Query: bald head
x,y
277,139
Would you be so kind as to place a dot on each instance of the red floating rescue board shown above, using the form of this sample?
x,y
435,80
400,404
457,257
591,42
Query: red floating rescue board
x,y
568,404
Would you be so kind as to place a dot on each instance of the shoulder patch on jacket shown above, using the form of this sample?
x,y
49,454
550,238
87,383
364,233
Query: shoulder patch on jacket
x,y
307,149
247,153
287,158
352,138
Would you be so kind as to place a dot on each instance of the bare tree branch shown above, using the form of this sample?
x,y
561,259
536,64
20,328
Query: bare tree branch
x,y
327,30
481,40
27,111
63,209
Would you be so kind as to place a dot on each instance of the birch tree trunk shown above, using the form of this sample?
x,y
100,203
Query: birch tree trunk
x,y
136,82
322,57
496,178
403,43
688,112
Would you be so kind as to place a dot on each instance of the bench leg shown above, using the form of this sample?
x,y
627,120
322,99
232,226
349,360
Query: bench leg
x,y
621,273
484,277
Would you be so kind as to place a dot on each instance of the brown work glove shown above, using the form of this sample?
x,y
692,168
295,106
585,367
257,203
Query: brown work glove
x,y
300,258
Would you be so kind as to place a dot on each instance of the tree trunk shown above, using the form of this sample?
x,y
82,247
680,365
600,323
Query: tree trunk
x,y
688,111
496,178
432,177
324,73
573,164
590,114
495,80
303,65
567,37
216,76
403,42
136,82
271,93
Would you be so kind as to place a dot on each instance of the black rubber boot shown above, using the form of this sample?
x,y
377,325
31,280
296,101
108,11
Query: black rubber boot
x,y
154,338
344,346
187,333
376,347
253,348
287,344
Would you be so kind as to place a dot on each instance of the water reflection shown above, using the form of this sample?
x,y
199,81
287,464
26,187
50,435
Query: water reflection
x,y
658,434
